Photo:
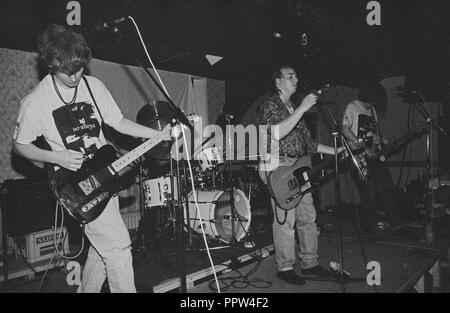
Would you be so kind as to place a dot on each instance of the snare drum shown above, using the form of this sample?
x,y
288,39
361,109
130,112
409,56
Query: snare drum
x,y
157,191
215,212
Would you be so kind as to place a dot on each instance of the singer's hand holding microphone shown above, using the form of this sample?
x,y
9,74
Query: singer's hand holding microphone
x,y
308,102
311,99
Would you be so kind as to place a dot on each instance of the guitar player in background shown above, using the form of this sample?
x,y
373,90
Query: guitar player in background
x,y
360,127
64,109
295,141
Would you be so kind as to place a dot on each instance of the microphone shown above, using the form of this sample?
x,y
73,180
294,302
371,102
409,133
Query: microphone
x,y
109,25
319,90
403,92
227,116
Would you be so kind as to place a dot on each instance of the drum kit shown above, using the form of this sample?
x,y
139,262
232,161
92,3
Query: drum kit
x,y
221,211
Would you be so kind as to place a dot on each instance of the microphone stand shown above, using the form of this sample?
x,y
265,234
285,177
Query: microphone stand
x,y
230,188
188,213
337,196
179,117
175,205
429,176
343,277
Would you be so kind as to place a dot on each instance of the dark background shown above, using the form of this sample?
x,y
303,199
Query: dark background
x,y
341,48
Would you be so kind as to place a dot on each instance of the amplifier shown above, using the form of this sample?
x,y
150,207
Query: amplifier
x,y
28,206
40,245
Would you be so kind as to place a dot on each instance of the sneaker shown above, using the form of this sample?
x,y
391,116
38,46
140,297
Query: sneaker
x,y
291,277
317,272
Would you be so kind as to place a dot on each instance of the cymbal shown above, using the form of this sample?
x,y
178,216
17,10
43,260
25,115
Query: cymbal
x,y
156,115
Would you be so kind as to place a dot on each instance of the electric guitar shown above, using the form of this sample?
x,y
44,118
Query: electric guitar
x,y
288,184
366,162
85,193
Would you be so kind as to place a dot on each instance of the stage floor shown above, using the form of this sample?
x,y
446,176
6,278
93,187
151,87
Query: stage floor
x,y
401,268
406,265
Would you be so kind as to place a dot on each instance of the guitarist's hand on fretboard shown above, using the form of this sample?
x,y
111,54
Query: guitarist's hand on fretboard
x,y
170,132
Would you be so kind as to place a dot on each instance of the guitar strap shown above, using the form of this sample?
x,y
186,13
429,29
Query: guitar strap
x,y
375,117
103,126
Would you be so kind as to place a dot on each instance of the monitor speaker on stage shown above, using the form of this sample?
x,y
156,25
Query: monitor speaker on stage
x,y
28,206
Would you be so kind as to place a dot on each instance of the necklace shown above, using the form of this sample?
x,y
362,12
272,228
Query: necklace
x,y
289,107
59,94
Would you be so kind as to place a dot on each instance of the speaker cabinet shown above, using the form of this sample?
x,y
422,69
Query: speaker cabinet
x,y
28,206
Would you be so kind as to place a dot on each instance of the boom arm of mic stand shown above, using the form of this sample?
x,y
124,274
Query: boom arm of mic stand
x,y
179,114
427,116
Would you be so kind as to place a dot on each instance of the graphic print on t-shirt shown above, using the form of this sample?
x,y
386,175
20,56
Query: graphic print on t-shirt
x,y
367,128
78,127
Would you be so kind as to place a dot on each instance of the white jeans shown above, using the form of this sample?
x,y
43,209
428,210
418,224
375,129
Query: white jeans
x,y
115,264
110,253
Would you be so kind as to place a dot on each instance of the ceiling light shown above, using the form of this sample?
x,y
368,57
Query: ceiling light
x,y
213,59
277,35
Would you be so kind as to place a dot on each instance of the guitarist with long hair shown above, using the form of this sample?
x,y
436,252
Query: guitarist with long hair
x,y
360,127
67,109
295,142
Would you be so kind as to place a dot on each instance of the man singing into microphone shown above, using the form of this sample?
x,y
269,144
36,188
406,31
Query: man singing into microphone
x,y
295,141
68,108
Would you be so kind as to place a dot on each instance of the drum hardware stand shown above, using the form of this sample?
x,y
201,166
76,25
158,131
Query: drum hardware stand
x,y
248,177
214,164
186,197
150,241
175,205
230,188
141,248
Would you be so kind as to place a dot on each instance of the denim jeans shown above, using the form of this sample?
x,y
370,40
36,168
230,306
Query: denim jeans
x,y
302,218
115,264
110,253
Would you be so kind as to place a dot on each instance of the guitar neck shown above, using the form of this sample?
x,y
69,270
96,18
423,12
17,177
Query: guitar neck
x,y
397,144
131,156
324,165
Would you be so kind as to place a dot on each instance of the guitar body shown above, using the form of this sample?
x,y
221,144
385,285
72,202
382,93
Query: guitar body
x,y
289,183
85,193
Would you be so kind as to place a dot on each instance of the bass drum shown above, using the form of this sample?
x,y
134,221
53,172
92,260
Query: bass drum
x,y
215,212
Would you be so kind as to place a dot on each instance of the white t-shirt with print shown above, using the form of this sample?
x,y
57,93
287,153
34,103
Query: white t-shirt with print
x,y
355,112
